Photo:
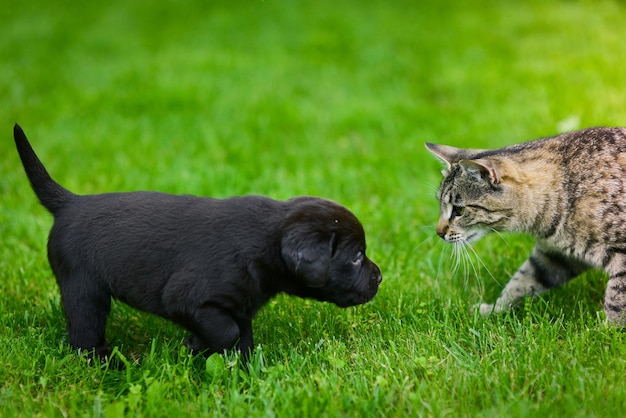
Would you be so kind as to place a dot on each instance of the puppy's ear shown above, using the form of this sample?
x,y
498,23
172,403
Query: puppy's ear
x,y
307,255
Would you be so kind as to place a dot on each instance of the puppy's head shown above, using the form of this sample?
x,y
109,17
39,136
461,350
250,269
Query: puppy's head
x,y
323,246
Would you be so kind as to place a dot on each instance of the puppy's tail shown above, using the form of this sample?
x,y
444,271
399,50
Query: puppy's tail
x,y
51,194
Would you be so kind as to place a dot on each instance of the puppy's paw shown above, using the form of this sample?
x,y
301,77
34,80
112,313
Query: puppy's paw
x,y
195,344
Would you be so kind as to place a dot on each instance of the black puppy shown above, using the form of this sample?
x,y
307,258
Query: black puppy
x,y
204,263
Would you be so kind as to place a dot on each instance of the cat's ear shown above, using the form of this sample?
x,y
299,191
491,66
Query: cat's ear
x,y
447,154
484,169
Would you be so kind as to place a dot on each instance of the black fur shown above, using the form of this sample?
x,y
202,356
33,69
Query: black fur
x,y
204,263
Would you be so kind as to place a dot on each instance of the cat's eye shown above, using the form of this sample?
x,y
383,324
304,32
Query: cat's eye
x,y
457,211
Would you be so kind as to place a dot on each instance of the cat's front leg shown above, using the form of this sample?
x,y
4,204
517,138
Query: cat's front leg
x,y
522,284
544,269
615,295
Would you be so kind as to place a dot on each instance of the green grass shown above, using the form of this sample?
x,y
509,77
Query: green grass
x,y
328,98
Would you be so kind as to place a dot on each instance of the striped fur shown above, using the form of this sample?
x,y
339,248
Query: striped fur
x,y
567,191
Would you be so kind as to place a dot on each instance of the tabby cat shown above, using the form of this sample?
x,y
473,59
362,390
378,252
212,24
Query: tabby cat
x,y
567,191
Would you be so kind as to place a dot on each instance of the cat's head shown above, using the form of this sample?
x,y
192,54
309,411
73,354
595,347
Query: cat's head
x,y
476,195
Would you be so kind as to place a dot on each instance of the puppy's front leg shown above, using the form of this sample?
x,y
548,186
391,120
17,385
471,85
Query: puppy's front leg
x,y
215,330
246,340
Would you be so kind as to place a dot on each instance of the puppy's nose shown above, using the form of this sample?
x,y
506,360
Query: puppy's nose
x,y
376,274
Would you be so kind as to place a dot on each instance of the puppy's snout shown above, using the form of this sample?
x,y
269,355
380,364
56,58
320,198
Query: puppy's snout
x,y
376,274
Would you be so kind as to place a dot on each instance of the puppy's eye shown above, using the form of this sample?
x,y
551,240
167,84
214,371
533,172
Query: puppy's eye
x,y
358,258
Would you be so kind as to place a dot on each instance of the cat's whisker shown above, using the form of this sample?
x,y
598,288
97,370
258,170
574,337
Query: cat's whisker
x,y
480,260
468,265
460,261
424,241
470,261
500,235
465,269
430,249
456,263
434,188
462,257
441,257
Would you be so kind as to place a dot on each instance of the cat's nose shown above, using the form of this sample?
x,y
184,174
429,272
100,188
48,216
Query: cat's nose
x,y
442,230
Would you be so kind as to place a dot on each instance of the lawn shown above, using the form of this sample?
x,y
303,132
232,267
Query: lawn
x,y
327,98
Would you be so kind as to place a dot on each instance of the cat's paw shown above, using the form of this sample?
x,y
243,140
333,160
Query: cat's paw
x,y
615,319
486,309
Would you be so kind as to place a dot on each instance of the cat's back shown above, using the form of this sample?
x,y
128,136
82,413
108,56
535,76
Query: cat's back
x,y
589,168
587,162
581,157
587,147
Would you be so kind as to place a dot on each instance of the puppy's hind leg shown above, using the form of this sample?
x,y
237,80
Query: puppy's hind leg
x,y
86,307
